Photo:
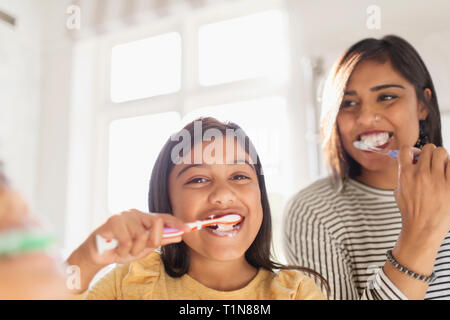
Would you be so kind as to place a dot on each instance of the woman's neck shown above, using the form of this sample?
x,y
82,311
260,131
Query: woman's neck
x,y
221,275
386,179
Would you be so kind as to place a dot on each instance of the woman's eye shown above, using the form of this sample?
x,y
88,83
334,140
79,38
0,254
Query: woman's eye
x,y
348,103
197,180
240,177
387,97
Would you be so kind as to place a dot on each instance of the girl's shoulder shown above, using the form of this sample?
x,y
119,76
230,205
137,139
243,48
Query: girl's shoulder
x,y
294,285
129,281
148,267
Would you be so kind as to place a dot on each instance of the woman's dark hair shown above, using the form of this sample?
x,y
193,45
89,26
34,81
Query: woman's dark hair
x,y
176,256
406,61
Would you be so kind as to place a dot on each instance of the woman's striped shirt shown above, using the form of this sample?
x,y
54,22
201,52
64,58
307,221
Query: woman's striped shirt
x,y
344,235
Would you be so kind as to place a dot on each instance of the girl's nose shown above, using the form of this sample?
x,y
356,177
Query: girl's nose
x,y
222,195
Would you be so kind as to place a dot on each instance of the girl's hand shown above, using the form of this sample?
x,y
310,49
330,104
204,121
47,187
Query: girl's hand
x,y
138,234
423,196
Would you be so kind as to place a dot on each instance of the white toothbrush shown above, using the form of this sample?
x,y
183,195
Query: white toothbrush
x,y
229,219
390,153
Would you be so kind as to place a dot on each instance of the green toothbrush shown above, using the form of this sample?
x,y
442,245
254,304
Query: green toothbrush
x,y
14,242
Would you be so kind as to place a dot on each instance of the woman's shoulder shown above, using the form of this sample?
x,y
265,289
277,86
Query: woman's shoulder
x,y
320,191
294,285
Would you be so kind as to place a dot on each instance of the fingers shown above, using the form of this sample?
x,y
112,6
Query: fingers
x,y
138,231
168,219
439,161
121,233
405,157
424,162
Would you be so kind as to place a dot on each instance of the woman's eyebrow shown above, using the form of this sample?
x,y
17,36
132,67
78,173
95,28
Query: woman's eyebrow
x,y
384,86
377,88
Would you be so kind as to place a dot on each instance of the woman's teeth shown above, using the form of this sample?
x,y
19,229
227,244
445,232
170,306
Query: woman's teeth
x,y
375,139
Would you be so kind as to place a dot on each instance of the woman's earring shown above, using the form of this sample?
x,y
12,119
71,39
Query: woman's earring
x,y
423,135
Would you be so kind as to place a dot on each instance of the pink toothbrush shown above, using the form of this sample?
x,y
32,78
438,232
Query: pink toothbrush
x,y
229,219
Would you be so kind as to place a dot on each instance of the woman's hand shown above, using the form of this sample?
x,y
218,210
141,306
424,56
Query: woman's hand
x,y
423,194
138,234
423,197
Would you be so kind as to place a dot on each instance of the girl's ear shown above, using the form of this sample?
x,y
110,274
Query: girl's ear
x,y
423,110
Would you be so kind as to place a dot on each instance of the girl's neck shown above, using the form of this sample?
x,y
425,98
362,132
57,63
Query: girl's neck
x,y
221,275
386,179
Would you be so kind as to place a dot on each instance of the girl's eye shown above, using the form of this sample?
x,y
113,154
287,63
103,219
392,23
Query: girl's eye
x,y
386,97
348,103
197,180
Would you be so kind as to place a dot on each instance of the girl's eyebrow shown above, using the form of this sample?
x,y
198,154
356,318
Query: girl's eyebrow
x,y
203,165
376,88
188,167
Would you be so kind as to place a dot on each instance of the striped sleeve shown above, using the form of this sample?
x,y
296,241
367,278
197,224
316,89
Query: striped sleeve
x,y
380,287
310,243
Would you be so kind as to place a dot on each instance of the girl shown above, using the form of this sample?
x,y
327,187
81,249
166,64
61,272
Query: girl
x,y
345,226
204,264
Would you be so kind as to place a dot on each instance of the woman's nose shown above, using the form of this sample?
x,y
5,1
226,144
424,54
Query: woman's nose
x,y
367,116
222,195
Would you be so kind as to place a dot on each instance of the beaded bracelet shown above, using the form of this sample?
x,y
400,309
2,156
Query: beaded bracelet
x,y
408,272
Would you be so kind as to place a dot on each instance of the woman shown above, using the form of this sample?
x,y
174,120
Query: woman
x,y
342,226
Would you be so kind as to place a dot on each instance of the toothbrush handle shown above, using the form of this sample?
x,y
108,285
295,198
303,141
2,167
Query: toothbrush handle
x,y
104,245
169,232
394,154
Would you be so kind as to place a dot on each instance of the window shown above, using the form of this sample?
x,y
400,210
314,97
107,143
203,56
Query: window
x,y
146,68
134,146
241,48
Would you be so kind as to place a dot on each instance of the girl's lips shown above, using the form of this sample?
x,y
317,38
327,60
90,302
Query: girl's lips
x,y
224,234
225,230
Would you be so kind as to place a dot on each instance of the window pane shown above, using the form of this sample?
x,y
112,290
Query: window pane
x,y
146,67
134,145
244,47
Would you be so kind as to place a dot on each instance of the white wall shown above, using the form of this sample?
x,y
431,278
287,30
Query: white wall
x,y
20,75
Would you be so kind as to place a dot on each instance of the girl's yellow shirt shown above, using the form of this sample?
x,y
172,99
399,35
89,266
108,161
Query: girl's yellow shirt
x,y
146,279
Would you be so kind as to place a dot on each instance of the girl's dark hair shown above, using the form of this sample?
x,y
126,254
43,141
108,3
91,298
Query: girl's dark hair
x,y
406,61
176,256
